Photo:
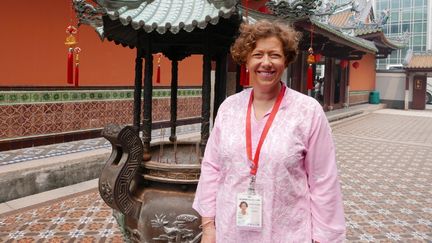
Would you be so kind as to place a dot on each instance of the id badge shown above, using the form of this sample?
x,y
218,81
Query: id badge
x,y
249,211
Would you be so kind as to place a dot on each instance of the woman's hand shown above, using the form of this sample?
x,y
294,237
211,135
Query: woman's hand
x,y
208,230
209,235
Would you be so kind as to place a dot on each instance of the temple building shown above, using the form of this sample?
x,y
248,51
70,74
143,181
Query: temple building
x,y
181,47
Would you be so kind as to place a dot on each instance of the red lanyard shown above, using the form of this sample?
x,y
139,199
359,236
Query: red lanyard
x,y
264,132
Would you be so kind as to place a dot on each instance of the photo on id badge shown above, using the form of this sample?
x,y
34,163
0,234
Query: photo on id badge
x,y
249,211
243,216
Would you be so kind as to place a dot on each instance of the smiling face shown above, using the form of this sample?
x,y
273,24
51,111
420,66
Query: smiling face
x,y
266,63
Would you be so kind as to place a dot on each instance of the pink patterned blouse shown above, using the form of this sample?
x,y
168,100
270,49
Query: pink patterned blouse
x,y
297,174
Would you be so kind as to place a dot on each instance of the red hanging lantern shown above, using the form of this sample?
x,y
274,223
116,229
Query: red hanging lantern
x,y
244,75
356,65
343,64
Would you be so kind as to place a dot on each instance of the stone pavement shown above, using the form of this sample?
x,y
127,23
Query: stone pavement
x,y
385,163
385,166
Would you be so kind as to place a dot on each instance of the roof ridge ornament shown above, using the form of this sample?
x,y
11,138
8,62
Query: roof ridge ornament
x,y
297,9
294,9
89,14
404,38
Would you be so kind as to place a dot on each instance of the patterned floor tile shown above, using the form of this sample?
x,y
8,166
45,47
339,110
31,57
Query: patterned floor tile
x,y
385,179
385,168
78,218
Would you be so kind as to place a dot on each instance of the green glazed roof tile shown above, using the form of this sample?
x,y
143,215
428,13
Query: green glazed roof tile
x,y
166,15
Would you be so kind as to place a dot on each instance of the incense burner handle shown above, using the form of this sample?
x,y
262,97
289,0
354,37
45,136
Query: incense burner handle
x,y
121,169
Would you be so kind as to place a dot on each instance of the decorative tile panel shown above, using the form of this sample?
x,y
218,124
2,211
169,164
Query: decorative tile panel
x,y
32,113
25,97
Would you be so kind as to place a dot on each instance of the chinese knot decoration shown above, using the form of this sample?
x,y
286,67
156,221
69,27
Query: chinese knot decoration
x,y
73,54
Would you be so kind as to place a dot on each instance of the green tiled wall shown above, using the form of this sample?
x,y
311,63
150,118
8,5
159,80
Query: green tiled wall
x,y
24,97
359,92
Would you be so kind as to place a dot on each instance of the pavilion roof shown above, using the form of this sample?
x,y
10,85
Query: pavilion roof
x,y
362,24
376,34
163,15
419,60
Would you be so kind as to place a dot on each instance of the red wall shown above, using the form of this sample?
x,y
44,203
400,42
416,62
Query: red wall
x,y
33,51
363,78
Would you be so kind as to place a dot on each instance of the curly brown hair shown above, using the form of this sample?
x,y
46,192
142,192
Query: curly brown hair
x,y
251,33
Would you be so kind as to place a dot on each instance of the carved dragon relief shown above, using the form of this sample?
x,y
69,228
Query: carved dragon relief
x,y
177,232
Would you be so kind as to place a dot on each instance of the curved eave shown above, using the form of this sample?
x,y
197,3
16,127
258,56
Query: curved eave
x,y
352,41
392,44
381,39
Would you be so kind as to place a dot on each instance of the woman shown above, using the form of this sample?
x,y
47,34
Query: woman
x,y
273,146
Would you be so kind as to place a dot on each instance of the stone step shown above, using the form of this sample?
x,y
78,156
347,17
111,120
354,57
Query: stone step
x,y
28,178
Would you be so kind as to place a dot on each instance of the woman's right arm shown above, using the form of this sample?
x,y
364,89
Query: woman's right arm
x,y
205,196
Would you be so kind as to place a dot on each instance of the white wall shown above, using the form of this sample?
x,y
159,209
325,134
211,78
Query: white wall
x,y
391,86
